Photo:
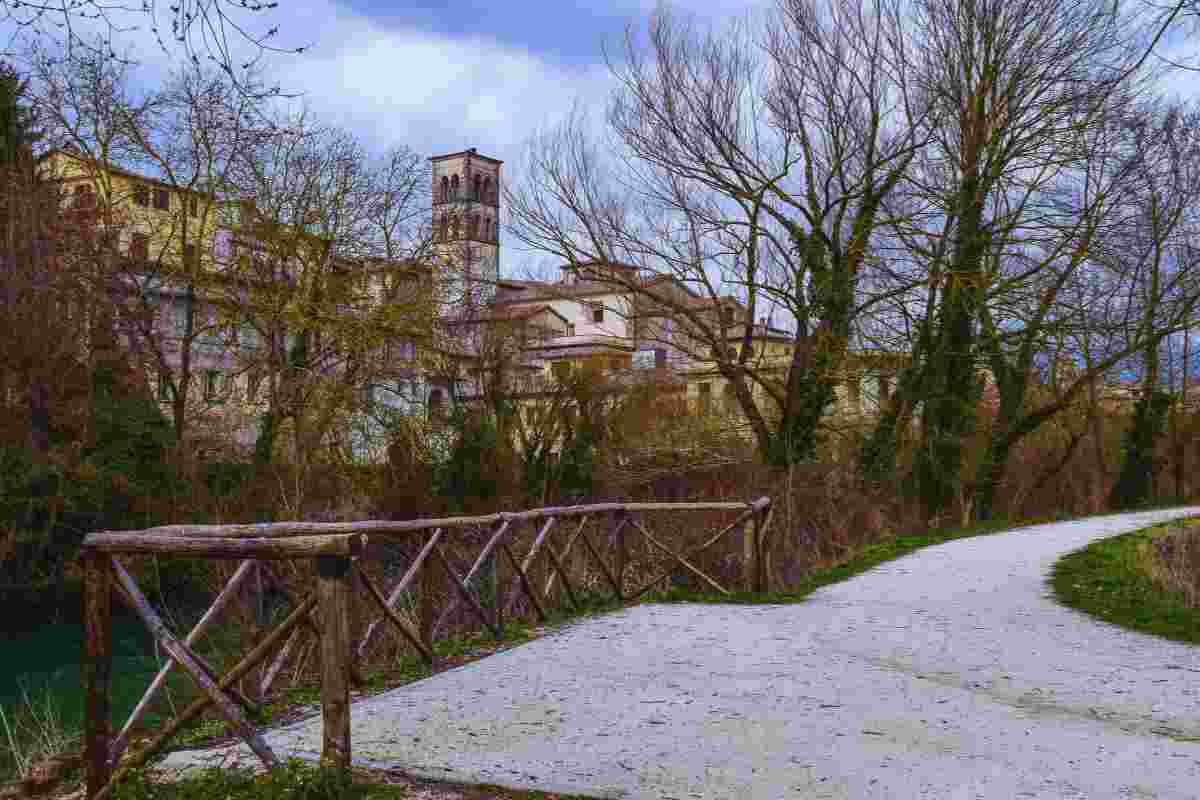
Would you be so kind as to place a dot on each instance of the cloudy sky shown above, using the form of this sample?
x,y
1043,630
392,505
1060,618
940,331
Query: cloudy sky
x,y
444,75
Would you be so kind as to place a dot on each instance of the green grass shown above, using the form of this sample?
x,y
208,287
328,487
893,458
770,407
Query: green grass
x,y
1108,580
295,780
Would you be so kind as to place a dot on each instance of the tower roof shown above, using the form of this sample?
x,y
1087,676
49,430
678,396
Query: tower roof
x,y
471,151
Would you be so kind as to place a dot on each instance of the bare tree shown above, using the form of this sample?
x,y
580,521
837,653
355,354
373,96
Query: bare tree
x,y
742,173
329,267
1015,87
223,32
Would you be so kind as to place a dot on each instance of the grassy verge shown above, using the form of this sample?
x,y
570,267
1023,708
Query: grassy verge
x,y
1110,579
299,780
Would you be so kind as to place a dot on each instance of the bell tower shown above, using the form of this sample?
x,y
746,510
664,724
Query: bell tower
x,y
466,217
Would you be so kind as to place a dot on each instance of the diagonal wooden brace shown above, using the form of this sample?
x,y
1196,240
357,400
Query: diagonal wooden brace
x,y
122,741
405,629
552,578
562,573
608,573
468,581
465,593
682,561
650,584
400,588
523,582
197,706
187,659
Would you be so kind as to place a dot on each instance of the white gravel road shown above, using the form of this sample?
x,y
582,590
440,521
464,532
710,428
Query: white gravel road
x,y
950,673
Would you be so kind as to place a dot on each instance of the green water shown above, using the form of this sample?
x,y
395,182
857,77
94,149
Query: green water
x,y
46,662
41,665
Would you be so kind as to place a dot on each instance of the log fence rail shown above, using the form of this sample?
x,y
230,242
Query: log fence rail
x,y
339,551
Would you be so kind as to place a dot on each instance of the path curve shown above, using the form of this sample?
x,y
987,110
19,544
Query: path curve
x,y
949,673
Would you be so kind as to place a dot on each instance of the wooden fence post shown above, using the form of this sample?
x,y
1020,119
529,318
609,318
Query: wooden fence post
x,y
762,556
750,546
427,608
97,669
489,586
334,588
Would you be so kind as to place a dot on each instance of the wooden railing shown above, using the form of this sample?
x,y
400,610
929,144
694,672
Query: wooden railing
x,y
339,551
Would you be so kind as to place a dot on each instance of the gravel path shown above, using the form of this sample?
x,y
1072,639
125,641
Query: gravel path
x,y
949,673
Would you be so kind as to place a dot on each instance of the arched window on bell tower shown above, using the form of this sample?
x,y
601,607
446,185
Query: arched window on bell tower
x,y
445,193
454,188
478,187
487,191
473,227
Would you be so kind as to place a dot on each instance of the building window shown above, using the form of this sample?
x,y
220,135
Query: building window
x,y
597,314
141,195
212,386
193,205
487,190
473,226
162,199
727,315
444,195
478,193
454,188
189,255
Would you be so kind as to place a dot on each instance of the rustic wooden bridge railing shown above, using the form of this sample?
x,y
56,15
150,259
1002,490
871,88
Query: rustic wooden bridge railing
x,y
338,550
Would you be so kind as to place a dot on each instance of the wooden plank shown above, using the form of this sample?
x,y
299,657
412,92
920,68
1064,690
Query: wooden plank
x,y
465,593
271,530
427,598
474,572
344,545
334,591
398,591
608,573
97,670
523,582
412,636
562,572
187,659
648,585
682,561
218,604
259,653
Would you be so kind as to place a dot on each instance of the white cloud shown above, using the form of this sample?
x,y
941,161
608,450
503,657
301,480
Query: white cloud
x,y
430,91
